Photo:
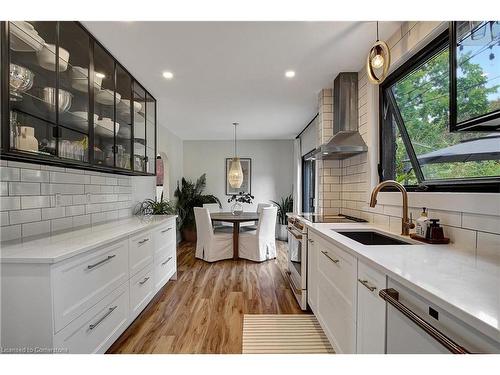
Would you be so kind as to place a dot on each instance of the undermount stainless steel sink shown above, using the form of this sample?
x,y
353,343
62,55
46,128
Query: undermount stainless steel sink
x,y
372,238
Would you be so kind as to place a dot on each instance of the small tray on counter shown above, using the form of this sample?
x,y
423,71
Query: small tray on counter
x,y
441,241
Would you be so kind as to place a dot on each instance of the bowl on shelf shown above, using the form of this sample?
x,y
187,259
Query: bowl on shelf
x,y
104,127
79,119
126,107
24,37
20,80
79,79
106,97
124,132
46,58
49,98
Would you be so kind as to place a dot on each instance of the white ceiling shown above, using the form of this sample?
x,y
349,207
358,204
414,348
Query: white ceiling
x,y
234,71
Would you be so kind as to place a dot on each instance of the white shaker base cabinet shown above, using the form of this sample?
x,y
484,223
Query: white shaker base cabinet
x,y
333,289
84,302
370,329
343,293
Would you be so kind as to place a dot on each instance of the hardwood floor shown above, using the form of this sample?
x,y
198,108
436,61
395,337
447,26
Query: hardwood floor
x,y
202,311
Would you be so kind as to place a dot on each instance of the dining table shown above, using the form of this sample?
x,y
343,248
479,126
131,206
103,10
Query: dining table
x,y
236,220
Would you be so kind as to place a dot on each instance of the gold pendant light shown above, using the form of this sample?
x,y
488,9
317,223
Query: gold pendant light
x,y
235,174
378,61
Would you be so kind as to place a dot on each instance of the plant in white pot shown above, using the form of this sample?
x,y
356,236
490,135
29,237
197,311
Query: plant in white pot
x,y
238,199
284,206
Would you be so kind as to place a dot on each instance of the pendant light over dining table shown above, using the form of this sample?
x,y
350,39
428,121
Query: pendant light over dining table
x,y
235,173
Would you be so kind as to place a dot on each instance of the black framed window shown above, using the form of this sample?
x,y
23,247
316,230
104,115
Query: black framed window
x,y
475,75
417,148
308,185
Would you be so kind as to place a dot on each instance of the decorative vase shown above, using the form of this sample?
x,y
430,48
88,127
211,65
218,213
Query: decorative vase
x,y
26,140
237,209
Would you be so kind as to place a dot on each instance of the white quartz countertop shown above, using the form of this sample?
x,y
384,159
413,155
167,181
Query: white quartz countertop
x,y
457,282
57,247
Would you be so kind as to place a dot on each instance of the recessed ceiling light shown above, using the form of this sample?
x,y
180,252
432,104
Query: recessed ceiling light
x,y
168,75
289,74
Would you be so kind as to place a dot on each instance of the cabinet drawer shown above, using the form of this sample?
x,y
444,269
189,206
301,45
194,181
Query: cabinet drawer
x,y
80,283
165,235
140,251
141,290
337,317
99,327
165,264
339,268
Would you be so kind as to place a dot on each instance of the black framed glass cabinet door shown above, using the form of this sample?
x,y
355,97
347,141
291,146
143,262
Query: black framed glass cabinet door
x,y
67,101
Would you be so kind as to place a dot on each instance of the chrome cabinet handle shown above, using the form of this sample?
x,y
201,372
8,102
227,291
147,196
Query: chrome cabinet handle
x,y
110,310
143,241
144,281
165,230
165,262
90,266
366,284
329,257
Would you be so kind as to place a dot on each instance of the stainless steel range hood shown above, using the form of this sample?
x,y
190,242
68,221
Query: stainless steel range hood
x,y
346,140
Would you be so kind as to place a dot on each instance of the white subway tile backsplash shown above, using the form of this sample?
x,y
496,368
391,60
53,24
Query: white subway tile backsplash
x,y
48,189
446,217
488,250
111,181
24,216
483,223
53,213
75,210
462,239
4,218
12,232
24,188
9,174
68,178
35,201
61,224
97,180
33,229
33,175
19,164
82,220
10,203
4,188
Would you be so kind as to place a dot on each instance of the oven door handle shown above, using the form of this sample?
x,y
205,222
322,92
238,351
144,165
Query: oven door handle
x,y
290,279
392,296
297,236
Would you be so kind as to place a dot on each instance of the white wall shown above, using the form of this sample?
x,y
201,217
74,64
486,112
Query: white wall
x,y
271,167
172,145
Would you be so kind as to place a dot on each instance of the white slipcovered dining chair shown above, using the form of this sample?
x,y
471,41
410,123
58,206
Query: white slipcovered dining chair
x,y
210,246
253,226
217,225
260,245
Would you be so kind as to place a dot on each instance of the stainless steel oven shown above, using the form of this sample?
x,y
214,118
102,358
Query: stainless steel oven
x,y
297,260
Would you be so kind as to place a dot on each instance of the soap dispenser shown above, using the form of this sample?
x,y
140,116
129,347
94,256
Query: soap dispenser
x,y
422,226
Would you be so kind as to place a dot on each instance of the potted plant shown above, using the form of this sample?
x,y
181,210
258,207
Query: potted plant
x,y
284,206
241,197
189,195
154,207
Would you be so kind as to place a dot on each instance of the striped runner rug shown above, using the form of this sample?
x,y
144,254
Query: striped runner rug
x,y
283,334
